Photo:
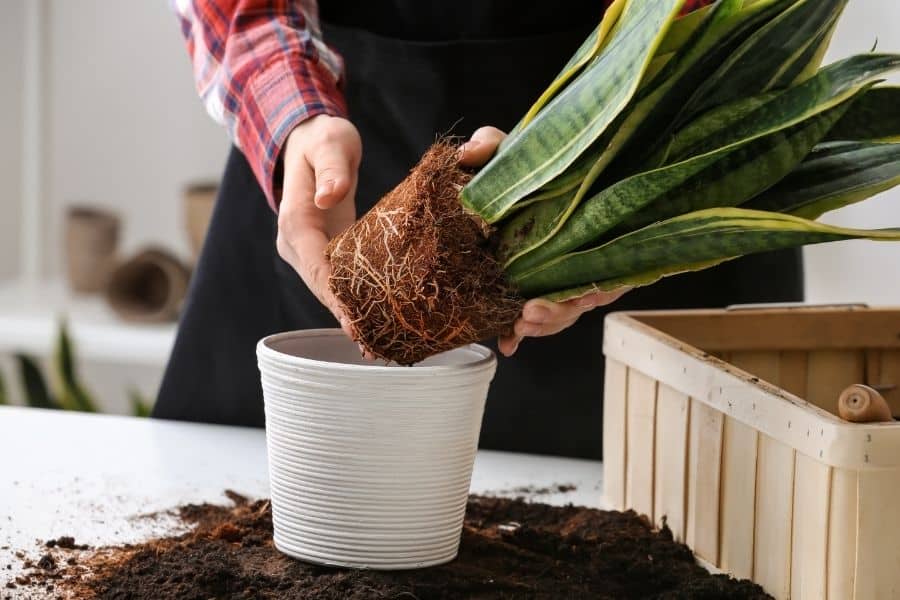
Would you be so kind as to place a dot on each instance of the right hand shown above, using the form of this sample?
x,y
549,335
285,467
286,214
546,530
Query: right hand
x,y
321,161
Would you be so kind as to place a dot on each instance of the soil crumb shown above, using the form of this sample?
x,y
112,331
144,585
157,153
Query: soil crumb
x,y
510,549
67,542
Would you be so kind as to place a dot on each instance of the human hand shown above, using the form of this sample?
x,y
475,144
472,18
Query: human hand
x,y
321,161
539,317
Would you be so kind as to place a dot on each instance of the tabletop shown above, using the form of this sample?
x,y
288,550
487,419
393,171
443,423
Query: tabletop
x,y
106,479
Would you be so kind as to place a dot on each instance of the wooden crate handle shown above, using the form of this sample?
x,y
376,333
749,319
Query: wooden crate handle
x,y
860,403
794,306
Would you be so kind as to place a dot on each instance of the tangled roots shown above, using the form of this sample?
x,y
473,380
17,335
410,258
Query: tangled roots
x,y
416,274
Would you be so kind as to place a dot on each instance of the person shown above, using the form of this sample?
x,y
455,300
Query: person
x,y
329,106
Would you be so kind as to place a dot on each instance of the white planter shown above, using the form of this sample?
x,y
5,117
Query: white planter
x,y
369,464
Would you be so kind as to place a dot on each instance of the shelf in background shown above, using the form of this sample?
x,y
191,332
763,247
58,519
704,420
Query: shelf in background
x,y
30,315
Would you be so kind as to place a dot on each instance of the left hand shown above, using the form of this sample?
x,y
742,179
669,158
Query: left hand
x,y
539,317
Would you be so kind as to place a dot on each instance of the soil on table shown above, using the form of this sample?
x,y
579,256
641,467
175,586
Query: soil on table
x,y
510,549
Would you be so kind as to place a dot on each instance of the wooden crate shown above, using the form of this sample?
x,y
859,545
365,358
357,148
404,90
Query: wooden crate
x,y
723,423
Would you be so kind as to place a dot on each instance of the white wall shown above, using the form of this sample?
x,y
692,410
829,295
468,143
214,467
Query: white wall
x,y
11,56
125,129
861,271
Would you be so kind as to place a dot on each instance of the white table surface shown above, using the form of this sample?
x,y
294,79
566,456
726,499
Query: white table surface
x,y
97,477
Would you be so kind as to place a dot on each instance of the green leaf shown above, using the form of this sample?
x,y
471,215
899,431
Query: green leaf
x,y
654,108
36,392
588,51
679,34
875,117
772,57
764,164
72,394
829,87
658,106
700,237
743,173
834,175
4,397
631,281
140,406
576,117
682,30
687,142
814,55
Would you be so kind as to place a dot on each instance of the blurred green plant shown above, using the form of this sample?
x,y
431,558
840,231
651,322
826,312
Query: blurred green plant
x,y
140,405
67,391
3,397
37,395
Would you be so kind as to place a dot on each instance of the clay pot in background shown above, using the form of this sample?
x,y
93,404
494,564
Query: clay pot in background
x,y
92,236
149,287
199,200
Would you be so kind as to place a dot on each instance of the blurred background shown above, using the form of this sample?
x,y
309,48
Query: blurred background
x,y
106,153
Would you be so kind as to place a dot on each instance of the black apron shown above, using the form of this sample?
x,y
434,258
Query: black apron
x,y
415,70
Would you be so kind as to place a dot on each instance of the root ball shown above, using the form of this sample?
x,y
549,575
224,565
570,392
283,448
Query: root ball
x,y
416,274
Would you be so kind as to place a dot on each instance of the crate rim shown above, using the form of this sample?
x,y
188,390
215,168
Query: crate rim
x,y
771,410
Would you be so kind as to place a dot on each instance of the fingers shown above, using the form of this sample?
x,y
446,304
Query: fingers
x,y
321,159
335,174
541,317
306,254
508,344
481,147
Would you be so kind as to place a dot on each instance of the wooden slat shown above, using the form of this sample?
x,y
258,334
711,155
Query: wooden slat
x,y
812,487
763,364
878,553
614,433
829,372
888,381
842,525
781,329
641,411
670,473
738,502
758,404
704,468
774,514
737,505
792,372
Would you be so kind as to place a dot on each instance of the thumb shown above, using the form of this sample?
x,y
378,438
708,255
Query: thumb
x,y
335,175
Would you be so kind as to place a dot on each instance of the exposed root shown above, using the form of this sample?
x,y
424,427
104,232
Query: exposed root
x,y
416,274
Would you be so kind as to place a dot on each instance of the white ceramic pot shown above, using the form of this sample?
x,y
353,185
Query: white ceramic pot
x,y
369,464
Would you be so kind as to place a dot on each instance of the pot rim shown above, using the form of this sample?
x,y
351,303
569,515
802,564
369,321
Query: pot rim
x,y
265,352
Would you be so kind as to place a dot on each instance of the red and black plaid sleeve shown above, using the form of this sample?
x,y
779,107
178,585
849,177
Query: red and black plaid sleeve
x,y
261,68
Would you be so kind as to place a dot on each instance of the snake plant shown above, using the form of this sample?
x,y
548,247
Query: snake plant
x,y
666,144
622,173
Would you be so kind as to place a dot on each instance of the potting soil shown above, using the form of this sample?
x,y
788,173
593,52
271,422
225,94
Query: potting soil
x,y
509,549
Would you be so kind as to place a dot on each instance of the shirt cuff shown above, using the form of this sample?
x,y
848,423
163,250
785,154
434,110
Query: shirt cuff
x,y
284,93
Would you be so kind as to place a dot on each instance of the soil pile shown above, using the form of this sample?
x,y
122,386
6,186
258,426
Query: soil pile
x,y
510,549
416,274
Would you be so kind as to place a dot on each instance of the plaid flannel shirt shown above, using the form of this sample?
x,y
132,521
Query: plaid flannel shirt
x,y
261,68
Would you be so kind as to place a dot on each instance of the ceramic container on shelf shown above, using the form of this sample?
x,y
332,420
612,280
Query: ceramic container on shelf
x,y
369,464
726,424
92,236
149,287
